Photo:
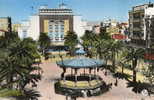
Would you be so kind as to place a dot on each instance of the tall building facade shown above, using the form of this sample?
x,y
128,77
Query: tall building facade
x,y
56,22
140,24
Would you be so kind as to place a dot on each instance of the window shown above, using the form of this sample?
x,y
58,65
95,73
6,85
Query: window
x,y
51,28
24,33
62,28
56,26
136,25
62,36
136,15
51,21
51,31
138,33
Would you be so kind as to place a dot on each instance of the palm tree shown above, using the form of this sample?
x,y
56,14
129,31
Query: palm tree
x,y
16,66
89,42
121,59
10,93
149,72
8,39
103,45
44,43
133,55
71,40
115,48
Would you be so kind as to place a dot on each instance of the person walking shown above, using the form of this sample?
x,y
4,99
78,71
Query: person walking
x,y
116,82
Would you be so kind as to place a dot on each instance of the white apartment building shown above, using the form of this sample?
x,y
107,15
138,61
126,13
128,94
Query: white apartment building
x,y
30,28
79,25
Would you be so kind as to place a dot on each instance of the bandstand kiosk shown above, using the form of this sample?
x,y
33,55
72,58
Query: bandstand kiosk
x,y
83,81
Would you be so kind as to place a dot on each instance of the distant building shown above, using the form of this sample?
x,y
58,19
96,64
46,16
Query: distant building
x,y
24,29
123,28
110,26
5,25
97,29
87,26
141,22
15,27
109,23
30,28
79,25
93,26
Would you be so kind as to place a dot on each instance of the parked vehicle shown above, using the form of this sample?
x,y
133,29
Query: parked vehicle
x,y
145,89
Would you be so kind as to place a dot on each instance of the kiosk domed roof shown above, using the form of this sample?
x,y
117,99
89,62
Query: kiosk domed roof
x,y
80,63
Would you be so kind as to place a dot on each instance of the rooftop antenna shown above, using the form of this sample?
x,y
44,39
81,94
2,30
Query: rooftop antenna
x,y
62,5
32,10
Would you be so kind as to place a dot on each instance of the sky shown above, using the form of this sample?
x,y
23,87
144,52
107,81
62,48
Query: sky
x,y
91,10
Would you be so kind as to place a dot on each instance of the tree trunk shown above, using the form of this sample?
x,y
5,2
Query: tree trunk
x,y
122,70
134,76
9,81
134,63
113,60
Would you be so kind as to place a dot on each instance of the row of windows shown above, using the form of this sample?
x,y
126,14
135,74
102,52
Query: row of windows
x,y
57,31
56,26
56,35
56,11
56,21
138,15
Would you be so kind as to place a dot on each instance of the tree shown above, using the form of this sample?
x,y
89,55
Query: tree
x,y
71,40
44,43
133,55
115,48
17,68
89,42
16,62
16,65
149,72
8,39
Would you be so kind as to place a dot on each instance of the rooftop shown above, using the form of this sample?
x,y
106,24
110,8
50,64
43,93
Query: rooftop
x,y
80,62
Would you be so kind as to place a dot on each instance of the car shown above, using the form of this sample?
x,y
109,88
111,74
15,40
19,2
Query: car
x,y
145,89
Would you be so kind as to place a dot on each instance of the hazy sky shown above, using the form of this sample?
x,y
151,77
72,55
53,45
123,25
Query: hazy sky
x,y
92,10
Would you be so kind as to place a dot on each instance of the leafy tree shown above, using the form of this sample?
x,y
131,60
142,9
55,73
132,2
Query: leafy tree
x,y
44,43
71,40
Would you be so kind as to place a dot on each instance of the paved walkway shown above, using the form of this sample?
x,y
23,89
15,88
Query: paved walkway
x,y
52,72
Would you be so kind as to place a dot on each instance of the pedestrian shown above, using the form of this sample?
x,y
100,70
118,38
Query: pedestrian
x,y
105,73
116,83
110,85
